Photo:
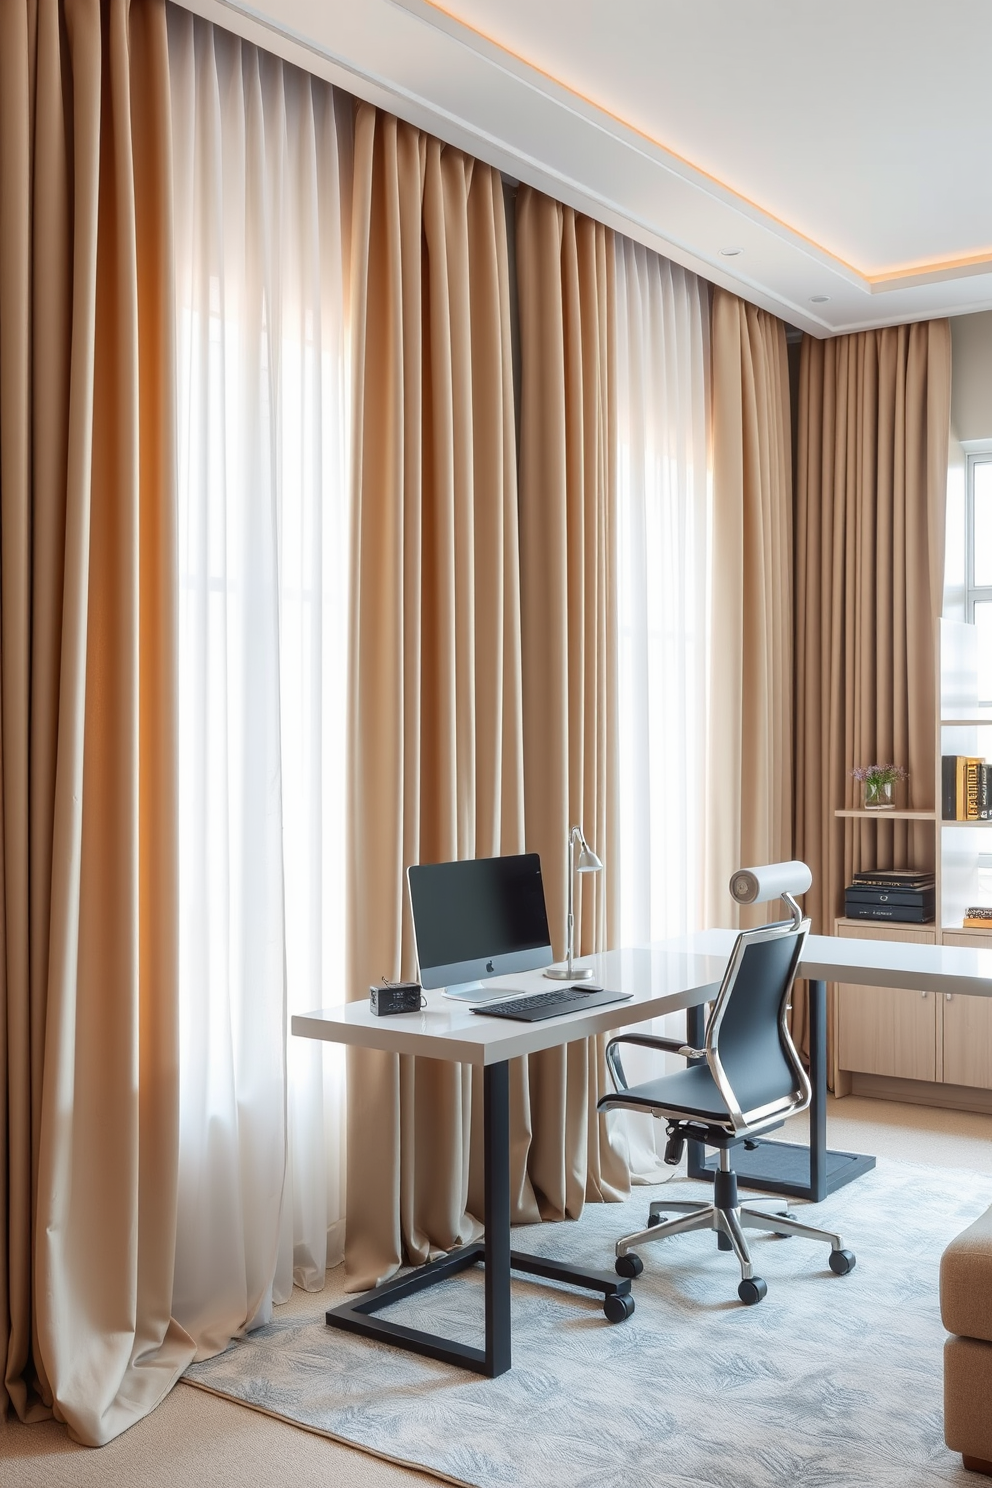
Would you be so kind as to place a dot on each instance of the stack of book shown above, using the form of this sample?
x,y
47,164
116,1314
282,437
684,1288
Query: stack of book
x,y
966,788
902,894
978,917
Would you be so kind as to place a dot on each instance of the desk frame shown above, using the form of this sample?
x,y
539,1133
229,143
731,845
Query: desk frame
x,y
494,1253
684,973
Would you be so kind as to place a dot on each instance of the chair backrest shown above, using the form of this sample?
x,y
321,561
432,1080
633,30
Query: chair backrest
x,y
749,1048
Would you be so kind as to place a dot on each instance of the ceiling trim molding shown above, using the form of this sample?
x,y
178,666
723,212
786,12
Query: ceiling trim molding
x,y
600,117
900,276
436,73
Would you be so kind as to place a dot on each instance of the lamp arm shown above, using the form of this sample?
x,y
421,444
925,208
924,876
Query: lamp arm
x,y
570,948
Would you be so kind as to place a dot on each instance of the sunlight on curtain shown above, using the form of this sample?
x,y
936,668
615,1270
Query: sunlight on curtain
x,y
663,495
261,172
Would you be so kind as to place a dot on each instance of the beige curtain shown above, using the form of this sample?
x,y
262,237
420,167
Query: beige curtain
x,y
87,536
871,475
749,770
436,758
568,543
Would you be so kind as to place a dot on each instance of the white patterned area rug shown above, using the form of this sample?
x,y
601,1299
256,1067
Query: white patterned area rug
x,y
830,1382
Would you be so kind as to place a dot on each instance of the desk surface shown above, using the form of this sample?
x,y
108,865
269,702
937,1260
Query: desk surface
x,y
874,963
664,978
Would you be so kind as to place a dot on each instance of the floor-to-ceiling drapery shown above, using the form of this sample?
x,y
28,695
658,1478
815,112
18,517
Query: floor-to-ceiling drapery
x,y
874,410
664,547
262,190
435,764
568,556
89,1065
664,554
749,755
478,720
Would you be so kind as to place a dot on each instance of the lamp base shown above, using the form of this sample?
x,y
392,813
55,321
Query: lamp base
x,y
562,973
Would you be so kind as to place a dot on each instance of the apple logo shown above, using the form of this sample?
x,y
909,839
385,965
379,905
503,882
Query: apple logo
x,y
489,966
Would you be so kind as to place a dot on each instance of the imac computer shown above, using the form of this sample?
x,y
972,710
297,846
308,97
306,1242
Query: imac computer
x,y
480,917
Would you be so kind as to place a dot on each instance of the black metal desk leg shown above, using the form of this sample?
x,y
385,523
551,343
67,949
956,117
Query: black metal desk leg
x,y
360,1314
818,1080
496,1106
695,1034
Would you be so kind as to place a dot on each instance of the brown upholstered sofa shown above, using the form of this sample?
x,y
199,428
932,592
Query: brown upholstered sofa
x,y
966,1308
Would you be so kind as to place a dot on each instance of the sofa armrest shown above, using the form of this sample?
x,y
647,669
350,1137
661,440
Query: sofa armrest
x,y
966,1281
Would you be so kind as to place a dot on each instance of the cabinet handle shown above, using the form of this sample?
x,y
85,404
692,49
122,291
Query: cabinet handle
x,y
948,995
923,994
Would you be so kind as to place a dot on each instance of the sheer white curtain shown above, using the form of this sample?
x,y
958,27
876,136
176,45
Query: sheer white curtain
x,y
664,517
261,174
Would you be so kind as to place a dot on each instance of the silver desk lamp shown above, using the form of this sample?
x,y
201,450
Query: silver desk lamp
x,y
587,862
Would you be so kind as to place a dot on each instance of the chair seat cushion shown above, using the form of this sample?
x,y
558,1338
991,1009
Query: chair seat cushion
x,y
966,1281
693,1092
690,1092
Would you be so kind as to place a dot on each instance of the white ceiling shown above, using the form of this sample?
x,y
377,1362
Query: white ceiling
x,y
846,149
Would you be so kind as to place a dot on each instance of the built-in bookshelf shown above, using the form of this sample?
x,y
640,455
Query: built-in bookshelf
x,y
901,1045
963,728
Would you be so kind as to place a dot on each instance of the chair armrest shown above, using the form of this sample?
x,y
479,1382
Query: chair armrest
x,y
646,1041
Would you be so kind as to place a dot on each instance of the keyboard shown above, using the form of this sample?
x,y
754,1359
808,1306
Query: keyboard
x,y
552,1004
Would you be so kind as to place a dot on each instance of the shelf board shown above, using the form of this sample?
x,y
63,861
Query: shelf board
x,y
971,823
893,815
864,924
985,722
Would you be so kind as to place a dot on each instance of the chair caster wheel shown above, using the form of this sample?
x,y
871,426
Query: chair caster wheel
x,y
842,1261
618,1308
629,1265
723,1241
655,1219
752,1291
781,1234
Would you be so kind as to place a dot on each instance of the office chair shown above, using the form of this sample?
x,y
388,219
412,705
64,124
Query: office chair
x,y
746,1080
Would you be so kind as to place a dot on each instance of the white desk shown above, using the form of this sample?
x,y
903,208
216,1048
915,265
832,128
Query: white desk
x,y
663,978
871,963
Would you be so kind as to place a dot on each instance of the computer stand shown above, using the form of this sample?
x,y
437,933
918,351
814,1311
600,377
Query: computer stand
x,y
361,1314
786,1167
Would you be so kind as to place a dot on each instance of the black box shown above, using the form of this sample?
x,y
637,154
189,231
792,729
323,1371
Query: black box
x,y
916,880
395,997
906,906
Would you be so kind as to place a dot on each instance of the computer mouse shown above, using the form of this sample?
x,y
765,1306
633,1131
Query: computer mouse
x,y
585,987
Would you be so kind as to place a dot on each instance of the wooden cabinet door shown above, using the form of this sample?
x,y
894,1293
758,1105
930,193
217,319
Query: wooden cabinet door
x,y
885,1030
967,1026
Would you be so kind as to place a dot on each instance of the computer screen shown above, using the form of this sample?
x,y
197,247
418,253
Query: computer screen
x,y
480,917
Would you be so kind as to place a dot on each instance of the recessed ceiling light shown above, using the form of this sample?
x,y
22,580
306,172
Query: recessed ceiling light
x,y
731,252
818,299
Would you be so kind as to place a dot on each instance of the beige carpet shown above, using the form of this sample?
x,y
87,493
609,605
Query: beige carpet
x,y
196,1438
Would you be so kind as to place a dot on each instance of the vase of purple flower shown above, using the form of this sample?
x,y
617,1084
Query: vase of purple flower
x,y
876,784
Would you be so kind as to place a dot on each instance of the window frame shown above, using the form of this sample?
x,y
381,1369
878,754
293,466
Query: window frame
x,y
977,452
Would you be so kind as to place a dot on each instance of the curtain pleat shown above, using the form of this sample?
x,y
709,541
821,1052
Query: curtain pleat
x,y
663,390
568,553
874,410
749,758
435,764
261,183
87,650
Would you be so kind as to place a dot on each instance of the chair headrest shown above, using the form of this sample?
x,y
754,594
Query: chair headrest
x,y
756,885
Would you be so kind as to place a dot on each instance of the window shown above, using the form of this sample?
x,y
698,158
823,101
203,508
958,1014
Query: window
x,y
978,560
